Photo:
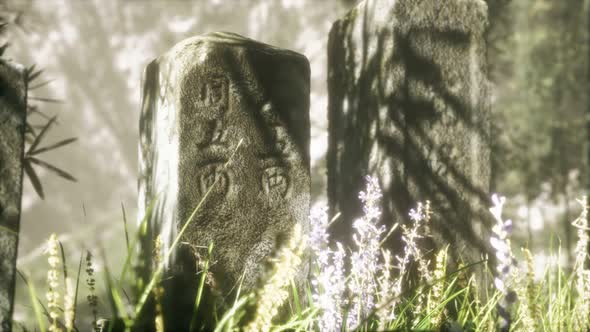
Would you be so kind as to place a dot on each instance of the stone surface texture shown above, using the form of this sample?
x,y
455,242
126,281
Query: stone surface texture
x,y
12,131
409,103
199,100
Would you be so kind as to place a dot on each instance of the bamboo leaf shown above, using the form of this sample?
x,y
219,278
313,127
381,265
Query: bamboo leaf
x,y
52,168
47,100
54,146
32,75
29,70
41,134
33,178
41,84
34,109
3,48
29,129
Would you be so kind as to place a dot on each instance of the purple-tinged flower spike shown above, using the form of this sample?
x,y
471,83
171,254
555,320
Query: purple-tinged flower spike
x,y
505,261
318,236
329,281
365,263
410,236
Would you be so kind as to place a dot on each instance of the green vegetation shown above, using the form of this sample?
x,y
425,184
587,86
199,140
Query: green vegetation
x,y
372,297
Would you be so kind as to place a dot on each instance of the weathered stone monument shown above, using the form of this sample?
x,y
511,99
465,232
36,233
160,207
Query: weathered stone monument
x,y
409,103
12,137
199,100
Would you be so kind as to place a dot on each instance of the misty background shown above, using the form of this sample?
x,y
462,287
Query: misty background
x,y
94,51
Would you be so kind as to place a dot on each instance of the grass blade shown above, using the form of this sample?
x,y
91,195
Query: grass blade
x,y
201,286
232,312
296,298
35,302
63,259
114,296
77,287
136,238
8,230
125,227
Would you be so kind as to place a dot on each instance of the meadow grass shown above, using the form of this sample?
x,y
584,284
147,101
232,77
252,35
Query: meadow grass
x,y
363,288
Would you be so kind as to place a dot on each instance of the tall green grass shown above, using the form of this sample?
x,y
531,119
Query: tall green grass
x,y
449,300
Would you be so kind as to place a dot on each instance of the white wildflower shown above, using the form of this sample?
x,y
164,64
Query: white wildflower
x,y
582,306
329,282
505,261
365,260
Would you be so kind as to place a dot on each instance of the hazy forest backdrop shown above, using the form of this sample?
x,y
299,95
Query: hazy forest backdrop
x,y
95,51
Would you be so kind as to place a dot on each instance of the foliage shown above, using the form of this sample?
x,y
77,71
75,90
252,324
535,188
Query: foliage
x,y
339,300
35,134
538,63
538,67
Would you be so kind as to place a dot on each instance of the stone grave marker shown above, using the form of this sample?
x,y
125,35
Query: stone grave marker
x,y
12,137
199,100
409,103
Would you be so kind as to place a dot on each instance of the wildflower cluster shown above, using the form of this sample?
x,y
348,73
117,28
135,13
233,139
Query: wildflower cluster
x,y
582,273
436,295
91,283
369,296
53,282
158,290
370,285
411,251
385,280
69,305
505,261
526,290
329,282
365,259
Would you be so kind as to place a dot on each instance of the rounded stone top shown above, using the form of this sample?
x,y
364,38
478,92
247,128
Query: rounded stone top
x,y
467,16
230,39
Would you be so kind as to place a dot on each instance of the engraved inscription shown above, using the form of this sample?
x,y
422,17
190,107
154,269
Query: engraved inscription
x,y
215,134
268,113
209,174
213,96
275,181
279,137
439,158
